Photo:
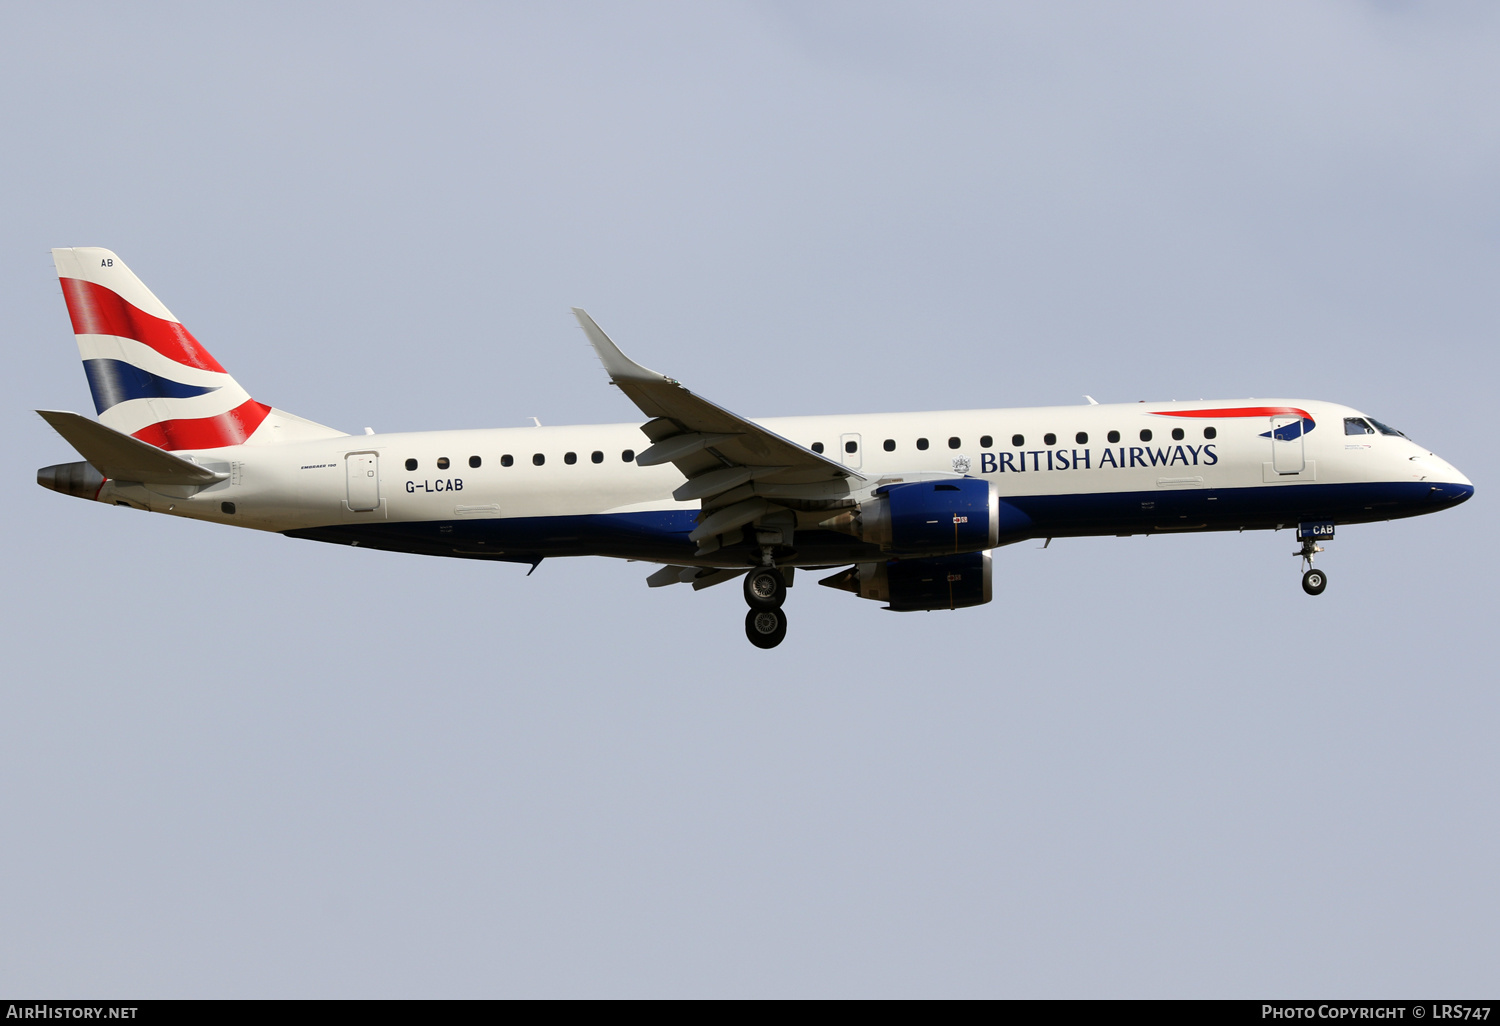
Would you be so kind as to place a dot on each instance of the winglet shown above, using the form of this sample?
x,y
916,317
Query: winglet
x,y
619,366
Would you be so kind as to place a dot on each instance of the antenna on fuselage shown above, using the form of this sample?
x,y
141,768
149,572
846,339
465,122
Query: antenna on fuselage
x,y
1092,400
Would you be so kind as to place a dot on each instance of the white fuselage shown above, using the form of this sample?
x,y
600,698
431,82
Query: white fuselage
x,y
1058,462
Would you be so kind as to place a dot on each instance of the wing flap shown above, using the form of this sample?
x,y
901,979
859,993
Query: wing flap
x,y
676,446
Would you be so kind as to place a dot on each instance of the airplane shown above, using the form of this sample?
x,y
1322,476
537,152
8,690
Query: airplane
x,y
904,508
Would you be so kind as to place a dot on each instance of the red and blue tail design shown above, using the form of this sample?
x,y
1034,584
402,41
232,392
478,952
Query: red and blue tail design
x,y
149,376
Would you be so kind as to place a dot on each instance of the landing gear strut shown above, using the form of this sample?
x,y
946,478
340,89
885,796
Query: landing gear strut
x,y
765,591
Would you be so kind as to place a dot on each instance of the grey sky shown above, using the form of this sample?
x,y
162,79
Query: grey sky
x,y
237,764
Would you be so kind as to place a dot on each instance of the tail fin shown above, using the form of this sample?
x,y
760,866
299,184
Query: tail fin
x,y
150,377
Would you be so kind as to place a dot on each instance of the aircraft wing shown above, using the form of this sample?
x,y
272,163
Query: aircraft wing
x,y
733,465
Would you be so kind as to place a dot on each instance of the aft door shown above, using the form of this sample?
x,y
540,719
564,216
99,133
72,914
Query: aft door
x,y
362,470
1286,445
849,446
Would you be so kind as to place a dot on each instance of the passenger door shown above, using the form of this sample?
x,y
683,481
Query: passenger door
x,y
1286,445
362,472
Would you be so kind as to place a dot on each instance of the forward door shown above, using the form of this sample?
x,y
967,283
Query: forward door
x,y
1286,445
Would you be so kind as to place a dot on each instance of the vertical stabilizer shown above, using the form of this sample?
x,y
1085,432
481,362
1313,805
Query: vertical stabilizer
x,y
149,376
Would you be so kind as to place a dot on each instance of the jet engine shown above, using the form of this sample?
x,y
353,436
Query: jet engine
x,y
939,582
950,516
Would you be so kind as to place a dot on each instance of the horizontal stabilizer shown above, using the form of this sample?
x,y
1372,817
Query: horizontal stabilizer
x,y
120,457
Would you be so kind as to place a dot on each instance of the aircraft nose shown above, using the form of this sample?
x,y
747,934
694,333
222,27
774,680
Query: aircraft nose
x,y
1452,493
1448,485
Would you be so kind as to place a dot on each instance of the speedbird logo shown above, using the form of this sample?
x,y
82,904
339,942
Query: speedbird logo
x,y
1284,433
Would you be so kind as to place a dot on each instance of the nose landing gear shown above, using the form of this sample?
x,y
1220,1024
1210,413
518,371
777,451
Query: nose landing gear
x,y
1313,581
765,591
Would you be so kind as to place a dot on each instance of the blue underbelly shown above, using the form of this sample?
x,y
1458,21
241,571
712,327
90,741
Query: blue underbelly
x,y
662,536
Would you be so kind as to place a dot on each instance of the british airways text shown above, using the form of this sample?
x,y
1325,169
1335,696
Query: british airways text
x,y
1088,459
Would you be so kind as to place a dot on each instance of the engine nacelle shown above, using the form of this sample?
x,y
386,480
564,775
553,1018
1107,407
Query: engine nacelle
x,y
951,515
939,582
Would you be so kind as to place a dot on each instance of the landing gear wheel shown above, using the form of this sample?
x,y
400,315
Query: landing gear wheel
x,y
766,628
1314,581
765,588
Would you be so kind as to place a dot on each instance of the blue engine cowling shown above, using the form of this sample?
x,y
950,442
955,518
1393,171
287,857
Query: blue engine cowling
x,y
938,582
945,516
961,515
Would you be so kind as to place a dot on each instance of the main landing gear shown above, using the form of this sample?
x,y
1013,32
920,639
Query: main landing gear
x,y
765,591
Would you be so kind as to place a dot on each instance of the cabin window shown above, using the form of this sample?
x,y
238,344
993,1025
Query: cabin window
x,y
628,455
227,507
570,458
1049,439
596,456
475,461
921,443
411,464
954,442
890,445
851,446
1357,426
1210,432
1177,434
538,459
1145,434
1017,440
817,447
1082,438
1113,436
985,441
507,460
442,463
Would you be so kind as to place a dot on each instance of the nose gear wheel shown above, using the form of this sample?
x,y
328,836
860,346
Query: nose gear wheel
x,y
1314,581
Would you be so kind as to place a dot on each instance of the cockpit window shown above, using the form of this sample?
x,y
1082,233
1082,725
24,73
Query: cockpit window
x,y
1386,429
1357,426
